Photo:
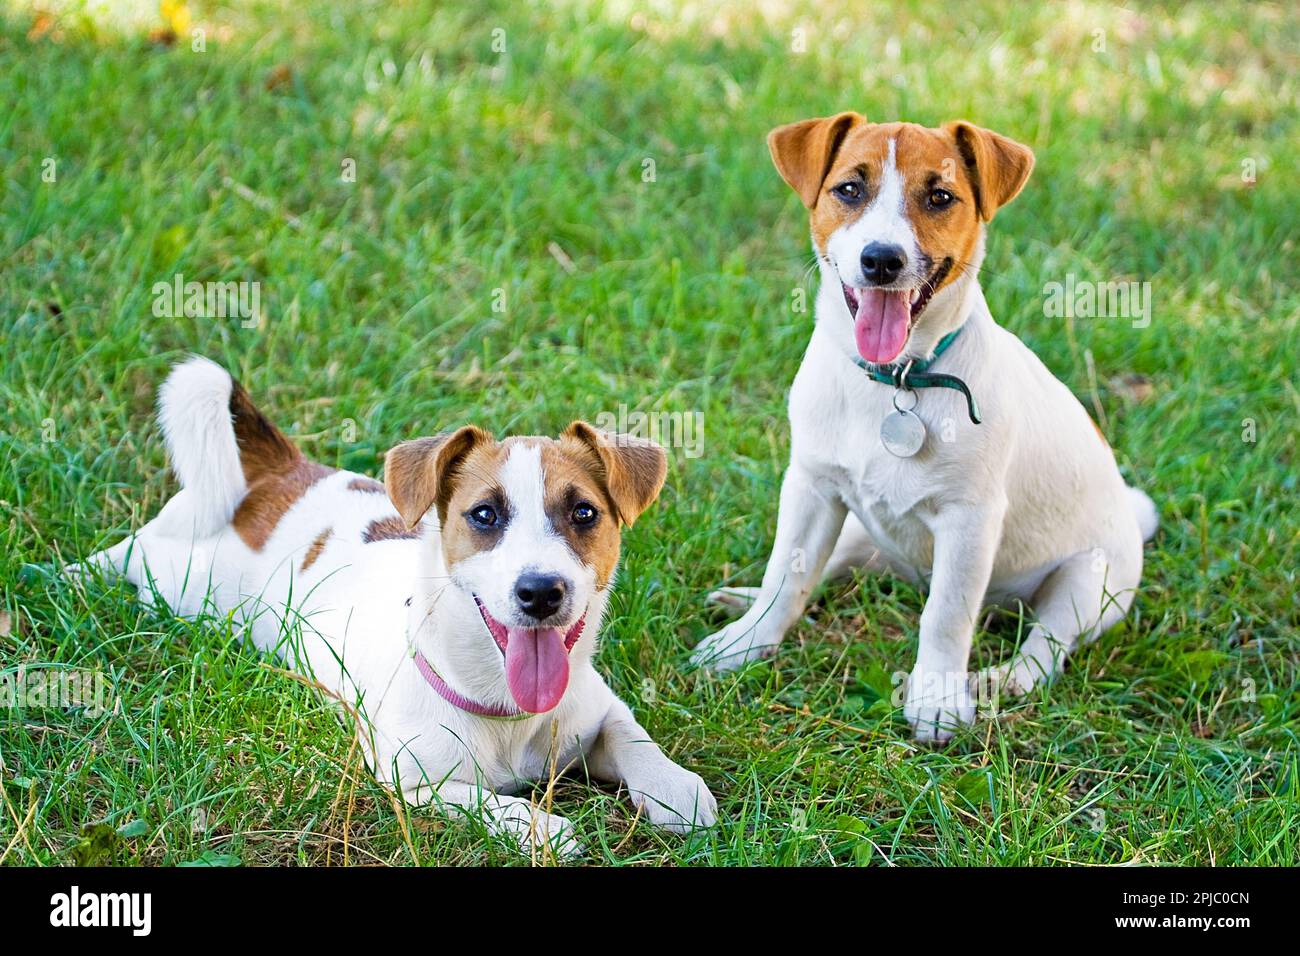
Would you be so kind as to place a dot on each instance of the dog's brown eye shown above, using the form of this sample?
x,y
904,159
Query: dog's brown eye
x,y
583,513
939,198
849,192
485,516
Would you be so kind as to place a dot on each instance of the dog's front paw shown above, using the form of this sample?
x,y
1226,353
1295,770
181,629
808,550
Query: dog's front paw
x,y
539,832
938,703
1015,679
675,799
558,836
734,646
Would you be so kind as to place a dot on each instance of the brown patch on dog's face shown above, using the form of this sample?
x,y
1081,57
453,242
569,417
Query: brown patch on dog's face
x,y
953,179
571,477
421,473
931,167
591,483
476,484
997,167
631,469
579,505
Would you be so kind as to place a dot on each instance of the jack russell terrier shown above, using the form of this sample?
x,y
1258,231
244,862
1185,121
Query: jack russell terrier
x,y
926,440
455,608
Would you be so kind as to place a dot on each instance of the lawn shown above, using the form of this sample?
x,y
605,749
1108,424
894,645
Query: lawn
x,y
521,214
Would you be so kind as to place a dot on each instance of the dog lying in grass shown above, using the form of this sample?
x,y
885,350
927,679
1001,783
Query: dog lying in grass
x,y
455,607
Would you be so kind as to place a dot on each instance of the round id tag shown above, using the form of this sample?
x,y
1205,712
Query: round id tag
x,y
902,432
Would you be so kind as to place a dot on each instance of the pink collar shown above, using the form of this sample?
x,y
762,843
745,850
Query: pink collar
x,y
451,696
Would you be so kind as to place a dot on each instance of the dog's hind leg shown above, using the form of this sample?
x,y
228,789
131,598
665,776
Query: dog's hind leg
x,y
735,598
855,550
111,563
1081,598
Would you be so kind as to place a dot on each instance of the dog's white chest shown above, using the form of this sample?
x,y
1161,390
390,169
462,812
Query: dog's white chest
x,y
514,757
836,418
894,508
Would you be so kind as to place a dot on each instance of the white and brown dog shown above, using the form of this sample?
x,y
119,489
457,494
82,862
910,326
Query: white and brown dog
x,y
456,606
993,487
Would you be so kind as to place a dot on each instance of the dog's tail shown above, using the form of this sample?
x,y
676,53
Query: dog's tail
x,y
217,440
1144,509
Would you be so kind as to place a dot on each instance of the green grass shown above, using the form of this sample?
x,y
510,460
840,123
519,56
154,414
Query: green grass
x,y
1170,741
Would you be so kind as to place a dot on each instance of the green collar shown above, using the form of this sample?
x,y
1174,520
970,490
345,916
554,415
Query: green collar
x,y
916,374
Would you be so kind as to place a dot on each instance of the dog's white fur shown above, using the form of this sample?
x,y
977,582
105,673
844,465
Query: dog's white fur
x,y
1028,506
353,619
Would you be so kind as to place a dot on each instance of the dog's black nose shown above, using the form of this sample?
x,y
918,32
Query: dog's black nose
x,y
881,263
540,595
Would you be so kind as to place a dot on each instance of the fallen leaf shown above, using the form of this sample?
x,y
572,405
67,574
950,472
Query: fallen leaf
x,y
41,25
278,76
1132,387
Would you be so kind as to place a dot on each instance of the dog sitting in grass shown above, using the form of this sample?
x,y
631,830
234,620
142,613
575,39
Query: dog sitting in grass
x,y
454,608
927,440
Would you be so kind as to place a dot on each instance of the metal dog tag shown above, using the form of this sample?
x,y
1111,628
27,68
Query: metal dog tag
x,y
902,432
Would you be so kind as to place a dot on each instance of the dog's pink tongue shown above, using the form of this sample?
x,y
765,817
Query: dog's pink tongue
x,y
537,667
880,326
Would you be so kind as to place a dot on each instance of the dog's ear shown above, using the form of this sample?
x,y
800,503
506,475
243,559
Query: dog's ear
x,y
420,473
997,166
632,469
803,152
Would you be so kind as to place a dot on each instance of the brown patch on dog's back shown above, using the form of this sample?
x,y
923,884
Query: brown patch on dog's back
x,y
391,528
271,496
367,486
317,546
275,470
263,448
